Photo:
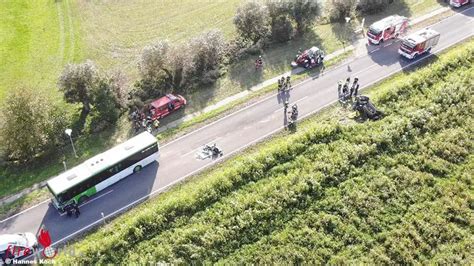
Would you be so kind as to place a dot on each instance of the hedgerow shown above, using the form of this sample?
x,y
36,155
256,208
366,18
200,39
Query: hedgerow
x,y
331,193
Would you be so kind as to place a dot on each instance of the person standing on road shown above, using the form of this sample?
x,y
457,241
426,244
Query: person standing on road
x,y
68,210
355,87
288,82
76,210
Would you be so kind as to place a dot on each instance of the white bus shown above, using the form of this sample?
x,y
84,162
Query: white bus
x,y
85,180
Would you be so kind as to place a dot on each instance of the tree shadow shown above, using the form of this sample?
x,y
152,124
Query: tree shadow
x,y
386,55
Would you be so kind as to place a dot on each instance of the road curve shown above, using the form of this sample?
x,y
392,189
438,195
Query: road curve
x,y
232,133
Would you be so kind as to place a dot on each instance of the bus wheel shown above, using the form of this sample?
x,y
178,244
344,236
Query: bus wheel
x,y
82,199
137,169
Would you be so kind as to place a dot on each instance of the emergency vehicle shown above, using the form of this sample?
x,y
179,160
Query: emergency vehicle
x,y
418,43
459,3
166,105
387,28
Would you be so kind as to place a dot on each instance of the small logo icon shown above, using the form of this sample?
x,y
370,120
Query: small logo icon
x,y
45,240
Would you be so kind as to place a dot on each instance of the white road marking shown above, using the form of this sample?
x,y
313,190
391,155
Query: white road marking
x,y
388,44
375,50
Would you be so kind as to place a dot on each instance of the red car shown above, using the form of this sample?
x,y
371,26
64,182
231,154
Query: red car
x,y
166,105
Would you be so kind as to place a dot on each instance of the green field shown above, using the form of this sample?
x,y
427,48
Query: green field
x,y
394,191
36,39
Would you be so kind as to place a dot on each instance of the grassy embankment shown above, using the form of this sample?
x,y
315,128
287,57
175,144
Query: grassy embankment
x,y
398,190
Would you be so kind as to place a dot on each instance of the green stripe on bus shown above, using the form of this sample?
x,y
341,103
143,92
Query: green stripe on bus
x,y
89,193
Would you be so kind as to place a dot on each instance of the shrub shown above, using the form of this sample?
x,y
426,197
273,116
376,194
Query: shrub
x,y
252,22
304,12
76,83
206,55
106,106
372,6
282,29
31,123
339,9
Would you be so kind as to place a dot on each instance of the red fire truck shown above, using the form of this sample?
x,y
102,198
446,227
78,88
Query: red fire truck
x,y
387,28
458,3
418,43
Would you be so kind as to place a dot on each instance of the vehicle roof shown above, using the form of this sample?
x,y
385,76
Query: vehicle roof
x,y
420,36
163,101
99,162
384,23
313,50
10,239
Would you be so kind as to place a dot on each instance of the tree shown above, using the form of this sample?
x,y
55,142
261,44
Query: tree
x,y
304,12
154,59
76,82
207,51
156,74
30,124
118,83
282,29
106,105
339,9
252,22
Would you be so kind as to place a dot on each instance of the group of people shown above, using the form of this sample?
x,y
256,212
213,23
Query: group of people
x,y
144,119
284,83
72,209
346,91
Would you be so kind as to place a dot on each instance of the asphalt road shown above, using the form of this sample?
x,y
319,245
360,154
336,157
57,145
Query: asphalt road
x,y
232,133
